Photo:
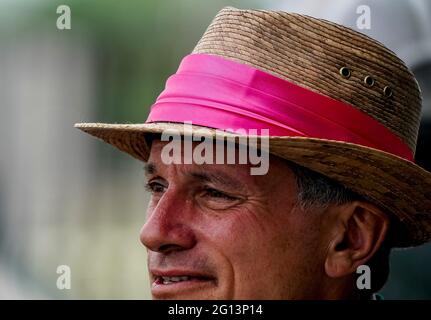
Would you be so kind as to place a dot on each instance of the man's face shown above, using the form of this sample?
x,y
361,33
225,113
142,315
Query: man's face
x,y
217,232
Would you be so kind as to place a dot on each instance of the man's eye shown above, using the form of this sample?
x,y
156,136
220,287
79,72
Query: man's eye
x,y
155,187
213,193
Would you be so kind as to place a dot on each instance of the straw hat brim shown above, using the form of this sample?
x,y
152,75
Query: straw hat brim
x,y
400,187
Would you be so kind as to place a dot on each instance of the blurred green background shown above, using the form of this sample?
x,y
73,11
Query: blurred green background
x,y
68,199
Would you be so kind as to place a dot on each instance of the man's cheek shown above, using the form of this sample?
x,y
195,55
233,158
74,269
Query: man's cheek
x,y
241,244
234,233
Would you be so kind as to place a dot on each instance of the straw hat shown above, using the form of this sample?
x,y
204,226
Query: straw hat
x,y
355,106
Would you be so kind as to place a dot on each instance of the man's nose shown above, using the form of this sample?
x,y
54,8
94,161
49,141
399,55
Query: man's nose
x,y
168,226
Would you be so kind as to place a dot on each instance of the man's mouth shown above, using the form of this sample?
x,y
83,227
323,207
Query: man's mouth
x,y
172,284
165,280
169,280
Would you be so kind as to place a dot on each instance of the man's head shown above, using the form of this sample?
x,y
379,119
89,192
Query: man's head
x,y
331,100
234,235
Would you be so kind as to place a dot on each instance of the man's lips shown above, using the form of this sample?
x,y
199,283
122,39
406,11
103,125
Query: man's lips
x,y
161,276
171,282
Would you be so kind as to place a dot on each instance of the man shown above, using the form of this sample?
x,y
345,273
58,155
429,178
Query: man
x,y
337,112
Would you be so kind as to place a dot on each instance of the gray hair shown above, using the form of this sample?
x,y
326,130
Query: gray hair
x,y
316,190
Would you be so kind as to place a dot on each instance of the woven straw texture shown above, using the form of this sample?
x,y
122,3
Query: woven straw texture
x,y
310,52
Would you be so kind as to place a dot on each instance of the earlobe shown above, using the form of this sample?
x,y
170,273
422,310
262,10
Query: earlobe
x,y
337,260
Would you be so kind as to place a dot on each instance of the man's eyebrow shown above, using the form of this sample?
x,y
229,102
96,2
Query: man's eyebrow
x,y
217,177
150,168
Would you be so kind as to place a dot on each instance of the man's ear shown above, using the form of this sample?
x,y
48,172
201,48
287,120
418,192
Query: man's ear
x,y
357,232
